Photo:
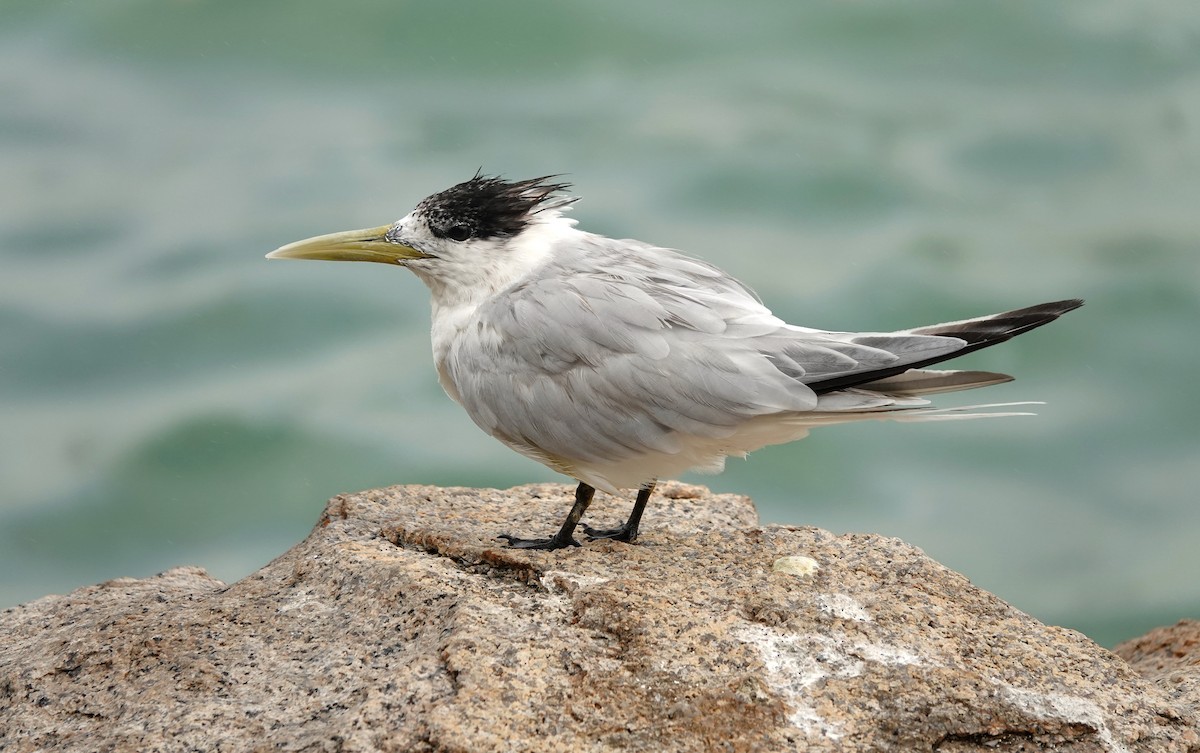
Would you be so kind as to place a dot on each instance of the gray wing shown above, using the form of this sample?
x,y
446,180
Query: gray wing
x,y
616,348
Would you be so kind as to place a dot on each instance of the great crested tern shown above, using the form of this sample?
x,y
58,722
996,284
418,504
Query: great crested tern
x,y
619,363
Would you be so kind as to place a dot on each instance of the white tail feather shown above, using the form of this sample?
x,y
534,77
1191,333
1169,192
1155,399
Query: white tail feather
x,y
931,381
954,414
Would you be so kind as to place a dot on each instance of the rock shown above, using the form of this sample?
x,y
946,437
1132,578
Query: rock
x,y
1170,656
401,624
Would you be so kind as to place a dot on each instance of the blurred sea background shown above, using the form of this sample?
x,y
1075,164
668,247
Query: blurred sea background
x,y
169,397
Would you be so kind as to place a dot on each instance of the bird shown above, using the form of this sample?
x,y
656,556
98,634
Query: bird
x,y
619,363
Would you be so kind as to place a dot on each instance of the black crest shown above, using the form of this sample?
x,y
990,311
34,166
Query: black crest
x,y
490,207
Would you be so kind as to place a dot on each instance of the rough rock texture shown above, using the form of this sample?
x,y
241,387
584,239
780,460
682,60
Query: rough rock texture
x,y
1170,656
400,624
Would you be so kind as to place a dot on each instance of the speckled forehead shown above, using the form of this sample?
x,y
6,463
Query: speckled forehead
x,y
490,207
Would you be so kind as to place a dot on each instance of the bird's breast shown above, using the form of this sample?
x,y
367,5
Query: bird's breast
x,y
463,345
448,326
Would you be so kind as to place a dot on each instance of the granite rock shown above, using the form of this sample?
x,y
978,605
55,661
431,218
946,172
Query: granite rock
x,y
402,624
1170,656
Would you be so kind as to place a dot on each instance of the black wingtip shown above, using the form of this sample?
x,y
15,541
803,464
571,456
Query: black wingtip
x,y
989,330
978,333
1054,308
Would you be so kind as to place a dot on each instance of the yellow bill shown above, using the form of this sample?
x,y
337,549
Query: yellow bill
x,y
368,244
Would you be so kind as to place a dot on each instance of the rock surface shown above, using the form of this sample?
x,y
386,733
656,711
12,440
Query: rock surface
x,y
1170,657
401,624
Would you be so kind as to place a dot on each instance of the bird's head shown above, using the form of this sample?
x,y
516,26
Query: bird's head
x,y
467,233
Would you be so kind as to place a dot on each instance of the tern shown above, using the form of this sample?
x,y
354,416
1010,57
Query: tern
x,y
619,363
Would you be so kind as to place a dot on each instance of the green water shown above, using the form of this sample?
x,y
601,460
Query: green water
x,y
169,397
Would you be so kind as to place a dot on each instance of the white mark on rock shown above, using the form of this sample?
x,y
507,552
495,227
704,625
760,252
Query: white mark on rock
x,y
1065,708
795,662
798,565
843,606
884,654
305,601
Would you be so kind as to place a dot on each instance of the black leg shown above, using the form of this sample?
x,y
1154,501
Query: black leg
x,y
629,531
583,498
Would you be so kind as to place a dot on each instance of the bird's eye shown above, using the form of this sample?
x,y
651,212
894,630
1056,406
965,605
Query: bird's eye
x,y
458,232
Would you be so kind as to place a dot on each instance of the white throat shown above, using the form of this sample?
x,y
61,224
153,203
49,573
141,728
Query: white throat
x,y
484,269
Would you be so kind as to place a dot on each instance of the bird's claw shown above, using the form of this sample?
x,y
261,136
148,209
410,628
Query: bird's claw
x,y
549,544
